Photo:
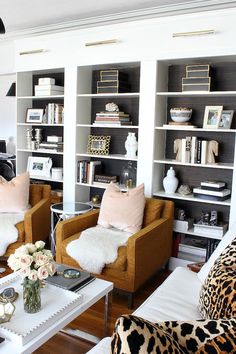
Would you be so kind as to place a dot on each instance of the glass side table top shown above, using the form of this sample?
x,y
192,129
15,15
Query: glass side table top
x,y
71,208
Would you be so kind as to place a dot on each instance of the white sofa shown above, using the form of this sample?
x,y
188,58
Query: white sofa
x,y
177,297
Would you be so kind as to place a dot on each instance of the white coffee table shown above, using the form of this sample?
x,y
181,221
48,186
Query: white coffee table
x,y
91,294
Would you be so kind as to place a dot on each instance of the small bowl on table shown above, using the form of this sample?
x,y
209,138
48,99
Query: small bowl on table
x,y
180,115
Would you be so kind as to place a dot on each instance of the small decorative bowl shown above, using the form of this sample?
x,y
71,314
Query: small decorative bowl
x,y
180,115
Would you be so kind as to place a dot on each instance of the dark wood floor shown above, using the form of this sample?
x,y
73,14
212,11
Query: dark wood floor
x,y
92,321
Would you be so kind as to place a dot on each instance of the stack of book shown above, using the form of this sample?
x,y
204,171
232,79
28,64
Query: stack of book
x,y
103,180
51,146
197,78
46,87
192,248
194,150
113,118
86,170
112,81
54,113
212,190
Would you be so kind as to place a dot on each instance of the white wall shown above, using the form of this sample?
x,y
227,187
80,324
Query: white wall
x,y
7,108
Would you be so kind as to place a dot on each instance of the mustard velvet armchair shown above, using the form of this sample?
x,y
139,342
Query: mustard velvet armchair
x,y
36,223
146,251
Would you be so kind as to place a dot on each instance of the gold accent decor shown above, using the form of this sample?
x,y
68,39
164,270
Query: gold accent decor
x,y
194,33
35,51
98,144
108,41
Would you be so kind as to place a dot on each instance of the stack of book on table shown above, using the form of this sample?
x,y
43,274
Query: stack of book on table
x,y
212,190
113,118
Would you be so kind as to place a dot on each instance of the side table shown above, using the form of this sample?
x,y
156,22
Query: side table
x,y
64,211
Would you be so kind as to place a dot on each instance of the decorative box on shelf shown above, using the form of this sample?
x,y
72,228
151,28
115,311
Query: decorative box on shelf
x,y
183,225
112,81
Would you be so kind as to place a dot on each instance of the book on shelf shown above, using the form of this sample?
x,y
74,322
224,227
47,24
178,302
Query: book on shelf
x,y
204,151
182,225
102,178
211,230
191,257
86,170
109,124
45,87
199,150
193,158
95,167
213,185
198,251
54,113
112,114
212,194
186,149
72,284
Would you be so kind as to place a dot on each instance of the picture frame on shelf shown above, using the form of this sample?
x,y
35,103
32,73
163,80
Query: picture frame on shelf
x,y
212,117
226,119
98,144
34,115
39,166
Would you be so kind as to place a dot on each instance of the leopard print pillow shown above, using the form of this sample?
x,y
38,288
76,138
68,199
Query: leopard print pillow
x,y
222,344
134,335
218,292
191,335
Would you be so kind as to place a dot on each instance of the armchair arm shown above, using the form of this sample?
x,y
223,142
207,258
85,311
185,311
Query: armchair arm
x,y
37,221
74,225
149,249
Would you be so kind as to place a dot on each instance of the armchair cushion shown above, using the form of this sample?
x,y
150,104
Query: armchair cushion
x,y
218,293
124,211
14,194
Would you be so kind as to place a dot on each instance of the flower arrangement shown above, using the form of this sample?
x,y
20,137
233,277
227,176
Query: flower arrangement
x,y
34,264
33,261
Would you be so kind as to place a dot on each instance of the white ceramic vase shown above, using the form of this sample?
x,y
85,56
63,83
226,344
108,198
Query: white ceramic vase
x,y
170,182
131,146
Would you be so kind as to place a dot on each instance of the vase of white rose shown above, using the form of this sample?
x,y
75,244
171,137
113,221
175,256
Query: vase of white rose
x,y
34,264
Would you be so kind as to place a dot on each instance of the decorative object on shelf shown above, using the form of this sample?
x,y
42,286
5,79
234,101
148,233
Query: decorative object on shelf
x,y
212,117
11,147
34,115
112,81
39,166
212,151
170,182
6,312
218,195
34,264
112,107
57,173
197,78
178,149
131,146
180,115
46,87
38,136
180,214
112,116
226,119
128,175
29,137
184,189
98,145
8,295
96,199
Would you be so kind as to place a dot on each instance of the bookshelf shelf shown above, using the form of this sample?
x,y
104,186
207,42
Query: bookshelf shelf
x,y
40,97
110,126
224,166
197,94
113,157
186,128
198,234
42,151
39,124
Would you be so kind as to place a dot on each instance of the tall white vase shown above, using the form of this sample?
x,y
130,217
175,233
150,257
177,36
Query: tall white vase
x,y
131,146
170,182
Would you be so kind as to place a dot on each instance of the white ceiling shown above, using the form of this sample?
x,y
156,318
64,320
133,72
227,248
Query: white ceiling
x,y
22,15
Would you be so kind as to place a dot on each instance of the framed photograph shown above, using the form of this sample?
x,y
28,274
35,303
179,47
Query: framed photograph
x,y
226,119
212,116
34,115
98,145
39,166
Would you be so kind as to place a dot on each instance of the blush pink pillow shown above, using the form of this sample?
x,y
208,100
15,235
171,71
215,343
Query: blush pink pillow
x,y
14,195
123,211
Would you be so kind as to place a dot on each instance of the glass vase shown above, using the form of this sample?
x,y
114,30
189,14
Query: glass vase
x,y
31,295
128,176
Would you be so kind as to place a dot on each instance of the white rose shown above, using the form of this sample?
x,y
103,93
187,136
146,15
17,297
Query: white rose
x,y
39,245
40,259
33,275
13,262
42,273
21,250
48,253
31,248
25,260
51,268
25,272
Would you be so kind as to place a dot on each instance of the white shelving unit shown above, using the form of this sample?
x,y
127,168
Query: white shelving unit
x,y
88,103
26,99
193,174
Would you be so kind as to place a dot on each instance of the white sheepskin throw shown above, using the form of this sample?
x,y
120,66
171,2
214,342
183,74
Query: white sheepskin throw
x,y
96,247
8,231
